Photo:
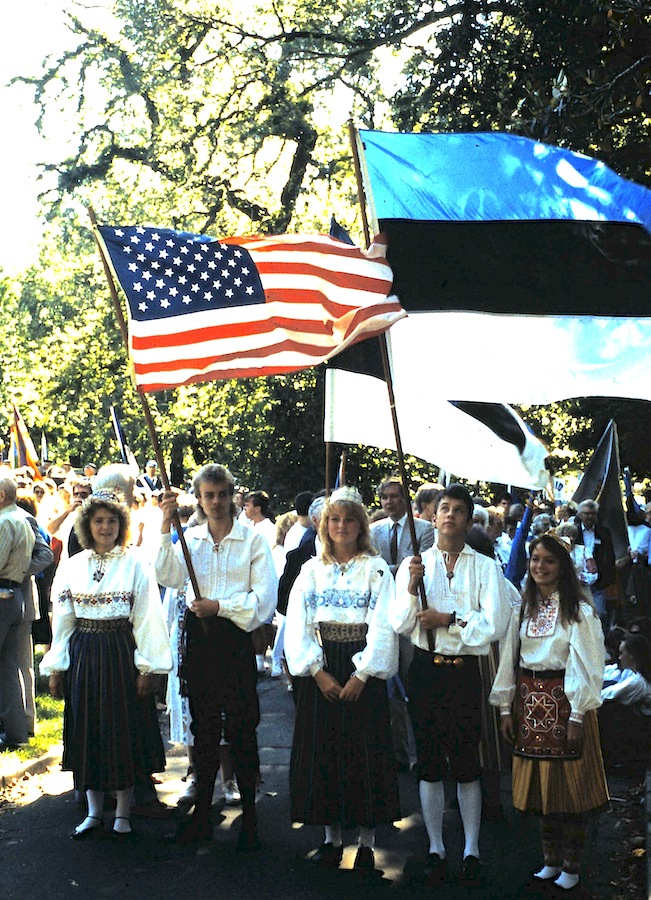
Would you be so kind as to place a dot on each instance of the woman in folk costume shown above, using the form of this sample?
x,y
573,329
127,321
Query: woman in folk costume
x,y
109,638
341,650
548,688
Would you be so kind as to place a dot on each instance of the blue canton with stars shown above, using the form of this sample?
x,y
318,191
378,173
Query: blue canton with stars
x,y
167,273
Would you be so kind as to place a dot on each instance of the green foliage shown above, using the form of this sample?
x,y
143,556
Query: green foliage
x,y
231,118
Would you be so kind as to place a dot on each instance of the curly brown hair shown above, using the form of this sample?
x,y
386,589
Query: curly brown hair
x,y
87,512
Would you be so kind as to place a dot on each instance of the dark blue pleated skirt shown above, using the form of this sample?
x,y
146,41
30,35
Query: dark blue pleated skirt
x,y
111,736
342,765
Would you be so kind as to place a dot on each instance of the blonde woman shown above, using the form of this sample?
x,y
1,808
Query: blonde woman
x,y
341,650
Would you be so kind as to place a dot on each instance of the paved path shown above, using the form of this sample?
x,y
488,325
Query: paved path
x,y
39,860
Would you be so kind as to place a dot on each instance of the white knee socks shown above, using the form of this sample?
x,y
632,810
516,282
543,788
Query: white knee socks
x,y
469,797
432,802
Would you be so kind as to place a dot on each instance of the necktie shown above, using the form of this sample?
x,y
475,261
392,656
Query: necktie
x,y
393,543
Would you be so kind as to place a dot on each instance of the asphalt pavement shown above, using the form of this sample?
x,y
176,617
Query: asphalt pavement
x,y
39,860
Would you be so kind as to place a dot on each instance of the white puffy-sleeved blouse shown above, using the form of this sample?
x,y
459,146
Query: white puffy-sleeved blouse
x,y
477,593
127,589
238,572
548,644
360,591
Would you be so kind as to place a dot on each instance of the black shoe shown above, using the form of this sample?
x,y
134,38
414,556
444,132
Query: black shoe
x,y
248,840
364,861
153,809
327,856
193,831
87,833
436,871
470,875
6,744
122,837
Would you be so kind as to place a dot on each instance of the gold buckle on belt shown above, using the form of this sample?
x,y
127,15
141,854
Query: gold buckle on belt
x,y
439,660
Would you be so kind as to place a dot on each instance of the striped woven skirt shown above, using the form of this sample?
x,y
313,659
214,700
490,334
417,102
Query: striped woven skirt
x,y
342,765
111,736
549,786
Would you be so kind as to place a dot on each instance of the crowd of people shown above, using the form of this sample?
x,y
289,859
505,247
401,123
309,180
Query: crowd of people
x,y
449,639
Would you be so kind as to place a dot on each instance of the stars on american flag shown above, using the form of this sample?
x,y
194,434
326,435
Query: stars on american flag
x,y
166,273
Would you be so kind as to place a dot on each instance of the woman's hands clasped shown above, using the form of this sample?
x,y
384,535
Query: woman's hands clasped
x,y
332,690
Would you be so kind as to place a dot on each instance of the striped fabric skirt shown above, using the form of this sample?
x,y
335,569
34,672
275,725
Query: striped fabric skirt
x,y
342,766
111,737
555,786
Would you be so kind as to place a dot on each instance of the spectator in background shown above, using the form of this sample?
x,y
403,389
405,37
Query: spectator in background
x,y
425,500
639,586
257,509
641,625
625,717
16,546
284,526
295,534
150,481
598,570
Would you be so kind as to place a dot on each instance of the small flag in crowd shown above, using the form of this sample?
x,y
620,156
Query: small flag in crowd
x,y
601,482
21,447
126,453
203,309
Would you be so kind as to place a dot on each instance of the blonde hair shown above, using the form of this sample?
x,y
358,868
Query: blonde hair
x,y
283,524
358,512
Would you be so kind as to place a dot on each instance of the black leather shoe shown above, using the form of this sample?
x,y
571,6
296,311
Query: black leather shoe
x,y
6,744
364,861
436,871
193,831
248,841
327,856
470,872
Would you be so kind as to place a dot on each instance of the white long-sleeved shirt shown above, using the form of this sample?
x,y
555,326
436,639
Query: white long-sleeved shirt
x,y
477,593
576,647
238,572
361,591
127,589
631,689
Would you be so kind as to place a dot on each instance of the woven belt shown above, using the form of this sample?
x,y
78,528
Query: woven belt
x,y
99,626
440,659
342,631
543,673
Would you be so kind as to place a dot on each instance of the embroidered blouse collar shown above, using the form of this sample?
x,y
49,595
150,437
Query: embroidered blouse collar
x,y
116,551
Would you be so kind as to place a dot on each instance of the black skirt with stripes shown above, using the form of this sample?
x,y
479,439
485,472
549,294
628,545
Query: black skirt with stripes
x,y
342,765
111,736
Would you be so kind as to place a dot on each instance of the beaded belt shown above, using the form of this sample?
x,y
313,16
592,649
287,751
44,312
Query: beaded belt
x,y
99,626
342,631
440,659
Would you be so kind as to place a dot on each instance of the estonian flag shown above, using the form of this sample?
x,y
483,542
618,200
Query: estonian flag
x,y
505,249
479,441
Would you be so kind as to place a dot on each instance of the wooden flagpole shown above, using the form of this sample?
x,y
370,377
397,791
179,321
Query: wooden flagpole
x,y
149,419
384,351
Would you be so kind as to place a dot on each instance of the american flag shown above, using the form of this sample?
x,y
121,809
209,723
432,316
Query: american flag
x,y
204,309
